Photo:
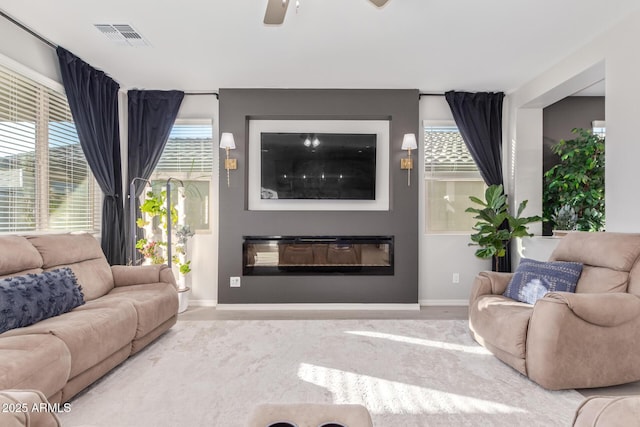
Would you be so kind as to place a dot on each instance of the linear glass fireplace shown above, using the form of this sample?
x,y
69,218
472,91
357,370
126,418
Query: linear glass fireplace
x,y
313,255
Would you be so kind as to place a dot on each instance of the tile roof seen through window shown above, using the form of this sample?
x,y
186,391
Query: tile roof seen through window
x,y
445,151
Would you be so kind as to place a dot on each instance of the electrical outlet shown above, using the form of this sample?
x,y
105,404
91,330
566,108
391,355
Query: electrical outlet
x,y
234,282
455,278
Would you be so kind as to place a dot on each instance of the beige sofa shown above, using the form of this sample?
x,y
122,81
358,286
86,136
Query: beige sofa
x,y
26,408
608,411
566,340
126,308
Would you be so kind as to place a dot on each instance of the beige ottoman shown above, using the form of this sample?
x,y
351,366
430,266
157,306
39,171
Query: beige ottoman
x,y
18,409
310,415
608,411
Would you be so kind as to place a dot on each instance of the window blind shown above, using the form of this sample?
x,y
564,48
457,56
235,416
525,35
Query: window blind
x,y
188,156
189,149
45,182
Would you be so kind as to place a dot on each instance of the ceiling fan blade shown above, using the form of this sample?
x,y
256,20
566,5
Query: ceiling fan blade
x,y
276,9
379,3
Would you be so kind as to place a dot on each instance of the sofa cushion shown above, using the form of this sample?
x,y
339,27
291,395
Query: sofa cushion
x,y
616,251
60,249
18,255
533,279
501,322
91,332
25,300
39,361
83,254
155,303
94,275
602,279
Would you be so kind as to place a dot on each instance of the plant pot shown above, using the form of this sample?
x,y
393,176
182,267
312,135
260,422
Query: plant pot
x,y
183,299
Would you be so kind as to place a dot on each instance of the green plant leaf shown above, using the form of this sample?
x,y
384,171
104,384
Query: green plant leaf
x,y
478,201
496,226
487,252
577,181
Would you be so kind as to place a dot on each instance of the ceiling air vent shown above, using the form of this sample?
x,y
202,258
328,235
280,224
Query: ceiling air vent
x,y
122,34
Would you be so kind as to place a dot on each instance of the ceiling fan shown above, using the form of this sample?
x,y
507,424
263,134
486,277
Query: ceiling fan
x,y
276,9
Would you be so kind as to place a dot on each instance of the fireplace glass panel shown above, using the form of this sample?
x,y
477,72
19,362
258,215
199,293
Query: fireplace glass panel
x,y
370,255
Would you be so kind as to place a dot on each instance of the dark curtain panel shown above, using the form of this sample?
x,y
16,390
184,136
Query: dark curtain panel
x,y
151,117
479,119
93,100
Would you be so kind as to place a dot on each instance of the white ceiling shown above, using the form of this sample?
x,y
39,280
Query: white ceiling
x,y
431,45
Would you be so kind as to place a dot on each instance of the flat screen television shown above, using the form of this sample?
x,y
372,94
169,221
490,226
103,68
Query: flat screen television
x,y
339,166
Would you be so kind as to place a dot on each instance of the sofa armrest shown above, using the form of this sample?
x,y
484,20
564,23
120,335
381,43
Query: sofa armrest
x,y
127,275
489,283
601,309
583,340
17,408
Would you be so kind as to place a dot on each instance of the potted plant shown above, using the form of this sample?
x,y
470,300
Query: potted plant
x,y
183,234
565,220
496,226
577,181
153,248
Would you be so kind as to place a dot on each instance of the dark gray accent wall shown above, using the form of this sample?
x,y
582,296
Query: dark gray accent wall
x,y
400,107
569,113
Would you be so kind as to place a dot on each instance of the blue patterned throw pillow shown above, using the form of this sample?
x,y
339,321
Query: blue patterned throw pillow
x,y
533,279
28,299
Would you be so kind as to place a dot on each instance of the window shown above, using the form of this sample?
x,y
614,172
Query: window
x,y
188,156
45,182
451,176
599,127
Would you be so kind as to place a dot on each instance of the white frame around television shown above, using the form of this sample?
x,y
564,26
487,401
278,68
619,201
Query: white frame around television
x,y
378,127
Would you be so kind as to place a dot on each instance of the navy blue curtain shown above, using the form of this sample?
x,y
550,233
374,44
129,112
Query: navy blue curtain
x,y
93,100
479,119
152,114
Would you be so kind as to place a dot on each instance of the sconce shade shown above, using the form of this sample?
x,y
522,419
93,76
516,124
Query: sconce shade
x,y
409,142
227,141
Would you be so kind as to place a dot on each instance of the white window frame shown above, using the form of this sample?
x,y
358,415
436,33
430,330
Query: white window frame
x,y
599,127
200,176
442,176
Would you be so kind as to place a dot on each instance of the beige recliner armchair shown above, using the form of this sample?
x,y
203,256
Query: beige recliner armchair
x,y
566,340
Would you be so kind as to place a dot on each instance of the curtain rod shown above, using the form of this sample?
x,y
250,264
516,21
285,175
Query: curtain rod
x,y
204,93
28,30
420,95
55,46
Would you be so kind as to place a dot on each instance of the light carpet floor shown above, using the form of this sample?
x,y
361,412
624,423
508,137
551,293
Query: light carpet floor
x,y
406,372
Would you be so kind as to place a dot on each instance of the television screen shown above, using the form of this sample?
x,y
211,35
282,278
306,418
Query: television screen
x,y
318,166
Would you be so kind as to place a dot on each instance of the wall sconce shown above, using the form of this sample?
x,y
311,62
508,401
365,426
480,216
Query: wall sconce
x,y
408,143
228,143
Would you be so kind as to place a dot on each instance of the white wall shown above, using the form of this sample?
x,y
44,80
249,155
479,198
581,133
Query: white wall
x,y
441,255
613,56
28,51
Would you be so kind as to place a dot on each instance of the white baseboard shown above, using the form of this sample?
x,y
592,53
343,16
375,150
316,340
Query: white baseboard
x,y
203,302
327,306
443,302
